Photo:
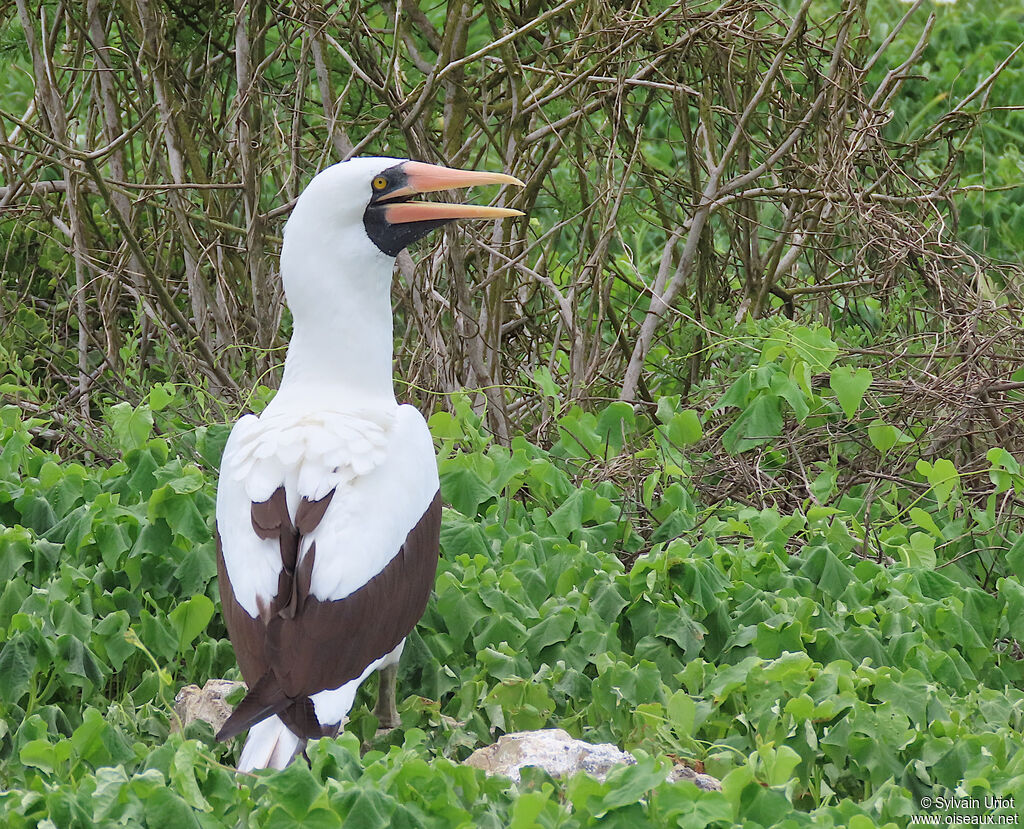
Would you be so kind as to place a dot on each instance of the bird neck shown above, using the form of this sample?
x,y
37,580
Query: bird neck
x,y
342,345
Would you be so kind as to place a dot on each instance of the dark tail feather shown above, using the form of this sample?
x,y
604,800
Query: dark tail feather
x,y
265,699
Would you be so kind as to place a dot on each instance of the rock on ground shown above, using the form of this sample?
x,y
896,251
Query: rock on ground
x,y
207,703
706,782
553,750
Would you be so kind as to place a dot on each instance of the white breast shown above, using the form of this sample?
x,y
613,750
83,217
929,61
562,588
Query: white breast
x,y
380,464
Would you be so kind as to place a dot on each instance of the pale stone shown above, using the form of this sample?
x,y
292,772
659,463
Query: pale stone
x,y
553,750
207,703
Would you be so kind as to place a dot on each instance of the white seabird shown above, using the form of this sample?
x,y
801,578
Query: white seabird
x,y
328,506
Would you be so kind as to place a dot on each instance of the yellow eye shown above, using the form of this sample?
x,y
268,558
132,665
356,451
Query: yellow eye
x,y
380,183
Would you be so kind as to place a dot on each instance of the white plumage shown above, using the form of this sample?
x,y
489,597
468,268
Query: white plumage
x,y
383,473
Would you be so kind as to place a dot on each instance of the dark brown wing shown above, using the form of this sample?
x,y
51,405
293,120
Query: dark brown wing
x,y
298,645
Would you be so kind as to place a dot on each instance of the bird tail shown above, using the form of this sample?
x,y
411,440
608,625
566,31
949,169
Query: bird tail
x,y
264,699
270,745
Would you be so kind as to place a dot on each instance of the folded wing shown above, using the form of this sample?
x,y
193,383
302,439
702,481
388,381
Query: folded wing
x,y
316,586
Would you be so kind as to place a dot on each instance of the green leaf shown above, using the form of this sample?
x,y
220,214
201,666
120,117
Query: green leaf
x,y
884,437
160,396
778,763
190,618
942,476
131,427
296,790
815,347
546,383
682,713
737,394
615,424
849,386
796,394
528,806
923,520
444,426
17,664
183,776
760,421
685,428
464,489
40,754
164,807
1005,471
920,552
1012,593
1015,557
629,784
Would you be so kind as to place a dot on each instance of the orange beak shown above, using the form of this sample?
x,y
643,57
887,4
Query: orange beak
x,y
430,178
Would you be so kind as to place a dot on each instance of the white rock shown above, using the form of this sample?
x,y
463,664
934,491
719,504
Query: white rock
x,y
553,750
207,703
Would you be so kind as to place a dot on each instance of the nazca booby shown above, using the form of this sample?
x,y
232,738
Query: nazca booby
x,y
328,505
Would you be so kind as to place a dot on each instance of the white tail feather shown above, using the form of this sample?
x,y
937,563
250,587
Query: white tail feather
x,y
270,745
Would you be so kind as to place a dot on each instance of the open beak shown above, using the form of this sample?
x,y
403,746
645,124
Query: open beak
x,y
399,208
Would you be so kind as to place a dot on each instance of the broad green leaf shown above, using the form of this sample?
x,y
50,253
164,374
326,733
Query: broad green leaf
x,y
1012,593
183,776
682,713
444,426
630,783
778,763
160,396
760,421
528,806
849,386
884,436
40,754
925,521
815,347
296,790
793,393
169,806
824,486
131,427
684,428
464,489
1015,557
942,476
737,394
920,552
17,664
615,423
190,618
1005,471
667,407
546,383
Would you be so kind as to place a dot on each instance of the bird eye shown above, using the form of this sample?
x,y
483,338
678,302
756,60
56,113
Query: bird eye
x,y
380,183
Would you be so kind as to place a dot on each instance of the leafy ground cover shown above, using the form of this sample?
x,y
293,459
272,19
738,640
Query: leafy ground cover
x,y
823,686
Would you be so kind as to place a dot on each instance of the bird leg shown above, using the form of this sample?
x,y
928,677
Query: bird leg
x,y
386,710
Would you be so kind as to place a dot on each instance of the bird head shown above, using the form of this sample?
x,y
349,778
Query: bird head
x,y
378,198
